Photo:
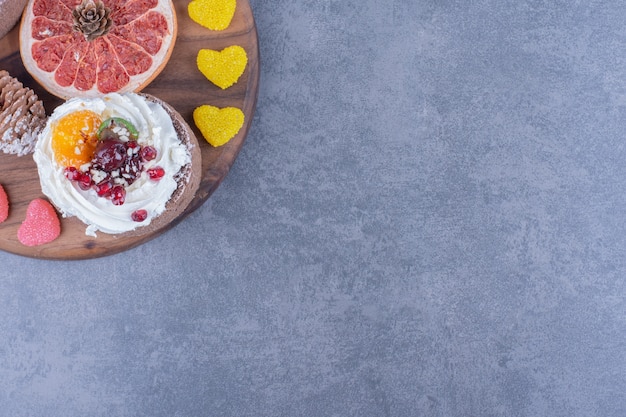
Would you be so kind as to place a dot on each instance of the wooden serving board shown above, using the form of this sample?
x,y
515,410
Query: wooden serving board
x,y
182,86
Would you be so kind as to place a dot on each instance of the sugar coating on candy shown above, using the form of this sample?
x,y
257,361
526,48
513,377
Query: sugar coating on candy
x,y
223,68
4,204
218,126
41,224
212,14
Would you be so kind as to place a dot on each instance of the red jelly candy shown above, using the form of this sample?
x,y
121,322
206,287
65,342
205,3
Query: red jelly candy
x,y
4,204
41,224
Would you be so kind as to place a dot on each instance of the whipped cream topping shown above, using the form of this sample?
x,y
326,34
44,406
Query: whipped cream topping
x,y
99,214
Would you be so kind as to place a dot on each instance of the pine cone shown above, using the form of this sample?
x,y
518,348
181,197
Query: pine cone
x,y
22,116
92,19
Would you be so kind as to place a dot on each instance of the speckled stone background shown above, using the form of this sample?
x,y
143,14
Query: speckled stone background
x,y
427,219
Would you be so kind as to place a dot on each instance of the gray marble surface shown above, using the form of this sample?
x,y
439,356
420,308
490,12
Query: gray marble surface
x,y
427,219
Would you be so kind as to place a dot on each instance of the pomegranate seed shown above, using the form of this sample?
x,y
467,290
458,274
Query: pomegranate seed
x,y
72,173
118,195
148,153
132,144
84,181
139,215
156,173
104,188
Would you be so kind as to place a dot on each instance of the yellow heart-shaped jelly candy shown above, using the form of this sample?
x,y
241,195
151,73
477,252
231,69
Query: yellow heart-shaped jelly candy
x,y
212,14
218,126
223,68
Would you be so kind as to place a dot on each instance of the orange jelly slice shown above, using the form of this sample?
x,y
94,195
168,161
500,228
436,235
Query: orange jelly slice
x,y
74,138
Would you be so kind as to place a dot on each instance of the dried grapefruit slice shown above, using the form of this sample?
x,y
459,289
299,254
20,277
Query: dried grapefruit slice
x,y
89,48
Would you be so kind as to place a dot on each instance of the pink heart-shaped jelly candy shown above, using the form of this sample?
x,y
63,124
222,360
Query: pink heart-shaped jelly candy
x,y
4,204
41,224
